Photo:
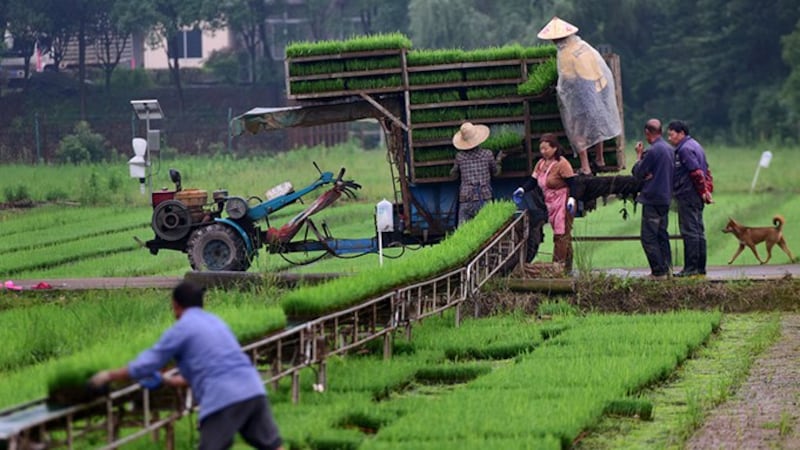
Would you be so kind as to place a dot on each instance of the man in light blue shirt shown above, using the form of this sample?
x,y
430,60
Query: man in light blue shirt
x,y
226,385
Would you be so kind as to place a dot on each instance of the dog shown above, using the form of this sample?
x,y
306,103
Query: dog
x,y
750,236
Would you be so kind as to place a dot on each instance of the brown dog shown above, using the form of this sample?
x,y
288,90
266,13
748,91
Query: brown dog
x,y
750,236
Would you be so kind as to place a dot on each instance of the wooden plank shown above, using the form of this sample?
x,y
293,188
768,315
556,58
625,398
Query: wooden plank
x,y
347,55
491,101
465,84
464,65
344,94
385,111
351,74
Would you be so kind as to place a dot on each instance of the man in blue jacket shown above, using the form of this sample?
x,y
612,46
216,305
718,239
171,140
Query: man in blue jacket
x,y
655,167
692,188
224,382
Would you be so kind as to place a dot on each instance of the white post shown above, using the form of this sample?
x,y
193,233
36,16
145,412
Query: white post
x,y
766,157
380,248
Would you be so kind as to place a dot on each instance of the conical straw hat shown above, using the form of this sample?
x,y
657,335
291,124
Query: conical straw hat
x,y
557,29
470,136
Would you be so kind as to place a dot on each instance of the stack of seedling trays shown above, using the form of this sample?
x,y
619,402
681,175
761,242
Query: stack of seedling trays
x,y
510,88
333,69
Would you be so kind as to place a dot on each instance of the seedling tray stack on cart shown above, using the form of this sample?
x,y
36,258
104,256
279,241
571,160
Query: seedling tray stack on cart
x,y
511,89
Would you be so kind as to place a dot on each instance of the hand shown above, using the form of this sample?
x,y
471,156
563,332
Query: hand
x,y
100,379
707,199
500,155
517,195
571,206
153,381
639,149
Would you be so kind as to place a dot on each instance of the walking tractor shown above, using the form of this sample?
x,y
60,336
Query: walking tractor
x,y
420,98
226,235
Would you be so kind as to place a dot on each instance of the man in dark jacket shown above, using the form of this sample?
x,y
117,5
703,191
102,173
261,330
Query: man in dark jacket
x,y
692,190
655,166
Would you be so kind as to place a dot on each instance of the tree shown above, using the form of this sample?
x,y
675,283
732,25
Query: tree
x,y
247,17
172,18
790,90
117,20
26,23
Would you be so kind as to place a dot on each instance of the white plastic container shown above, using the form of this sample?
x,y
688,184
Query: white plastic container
x,y
384,218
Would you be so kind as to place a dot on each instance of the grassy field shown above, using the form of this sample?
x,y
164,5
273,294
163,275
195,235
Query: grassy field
x,y
95,211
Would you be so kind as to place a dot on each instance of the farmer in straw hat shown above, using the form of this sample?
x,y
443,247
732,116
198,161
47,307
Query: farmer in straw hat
x,y
476,167
586,93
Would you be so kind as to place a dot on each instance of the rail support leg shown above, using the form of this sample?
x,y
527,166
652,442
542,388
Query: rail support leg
x,y
387,346
295,387
322,376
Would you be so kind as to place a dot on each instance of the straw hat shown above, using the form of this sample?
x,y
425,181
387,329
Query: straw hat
x,y
470,136
557,29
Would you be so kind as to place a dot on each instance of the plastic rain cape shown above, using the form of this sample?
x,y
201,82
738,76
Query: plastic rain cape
x,y
586,94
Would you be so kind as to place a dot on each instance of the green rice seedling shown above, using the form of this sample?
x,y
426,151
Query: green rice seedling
x,y
504,141
506,52
16,262
315,86
556,308
423,97
426,154
435,57
546,126
451,373
433,171
450,253
488,92
365,83
379,41
374,63
492,73
545,107
315,68
438,77
300,49
486,112
539,51
630,407
433,134
541,77
438,115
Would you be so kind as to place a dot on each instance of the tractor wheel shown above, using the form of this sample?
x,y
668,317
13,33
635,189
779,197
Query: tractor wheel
x,y
217,247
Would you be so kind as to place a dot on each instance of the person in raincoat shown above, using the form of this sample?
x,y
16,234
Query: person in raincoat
x,y
586,93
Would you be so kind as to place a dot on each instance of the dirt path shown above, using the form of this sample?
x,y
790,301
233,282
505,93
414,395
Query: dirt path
x,y
765,412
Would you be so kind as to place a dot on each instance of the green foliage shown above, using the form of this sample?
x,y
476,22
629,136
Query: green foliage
x,y
307,87
83,146
224,65
131,80
433,134
443,153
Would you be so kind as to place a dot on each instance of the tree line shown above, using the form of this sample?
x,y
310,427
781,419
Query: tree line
x,y
731,68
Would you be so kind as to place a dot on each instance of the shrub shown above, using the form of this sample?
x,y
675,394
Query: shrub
x,y
17,193
82,146
130,80
224,65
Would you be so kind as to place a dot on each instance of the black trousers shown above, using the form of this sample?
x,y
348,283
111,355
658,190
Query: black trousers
x,y
251,418
655,238
690,222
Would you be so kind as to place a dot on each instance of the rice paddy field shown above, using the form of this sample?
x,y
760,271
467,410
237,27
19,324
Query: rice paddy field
x,y
511,381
